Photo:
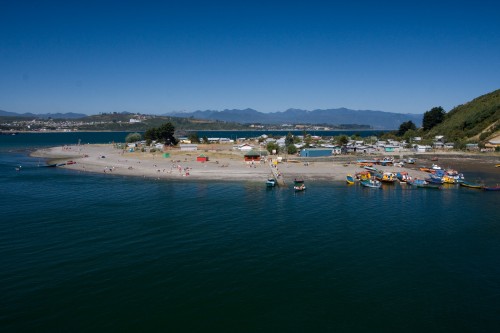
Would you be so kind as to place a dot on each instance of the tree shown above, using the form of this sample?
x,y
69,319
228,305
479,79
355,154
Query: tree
x,y
307,140
273,146
433,117
291,149
289,139
166,134
405,127
193,137
343,140
133,137
151,134
409,135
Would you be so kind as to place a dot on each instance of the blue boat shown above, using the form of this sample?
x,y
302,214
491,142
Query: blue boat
x,y
491,188
434,180
371,183
429,185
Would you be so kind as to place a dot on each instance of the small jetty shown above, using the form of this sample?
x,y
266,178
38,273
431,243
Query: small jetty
x,y
278,177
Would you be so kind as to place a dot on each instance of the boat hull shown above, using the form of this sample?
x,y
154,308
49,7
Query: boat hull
x,y
471,185
371,183
497,188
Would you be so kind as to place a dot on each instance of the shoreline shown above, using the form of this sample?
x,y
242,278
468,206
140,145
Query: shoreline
x,y
229,165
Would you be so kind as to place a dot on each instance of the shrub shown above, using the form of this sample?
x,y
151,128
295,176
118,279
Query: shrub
x,y
133,137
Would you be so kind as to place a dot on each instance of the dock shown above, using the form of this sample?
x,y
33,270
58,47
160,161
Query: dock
x,y
278,177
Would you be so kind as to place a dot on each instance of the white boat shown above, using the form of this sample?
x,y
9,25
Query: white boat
x,y
271,182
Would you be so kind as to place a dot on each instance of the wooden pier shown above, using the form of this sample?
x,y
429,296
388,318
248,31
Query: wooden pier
x,y
278,177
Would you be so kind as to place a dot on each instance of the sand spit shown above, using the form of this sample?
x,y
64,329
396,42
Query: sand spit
x,y
222,164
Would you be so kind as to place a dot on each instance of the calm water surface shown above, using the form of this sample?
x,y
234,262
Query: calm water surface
x,y
84,252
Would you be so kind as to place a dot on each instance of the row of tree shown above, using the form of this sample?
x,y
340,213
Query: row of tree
x,y
163,134
431,118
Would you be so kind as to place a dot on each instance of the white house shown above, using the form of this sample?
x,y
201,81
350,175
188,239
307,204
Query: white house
x,y
225,140
245,147
422,148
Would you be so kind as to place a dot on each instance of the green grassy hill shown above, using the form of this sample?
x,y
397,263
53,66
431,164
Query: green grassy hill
x,y
477,120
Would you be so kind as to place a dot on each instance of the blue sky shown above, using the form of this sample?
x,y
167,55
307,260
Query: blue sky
x,y
157,57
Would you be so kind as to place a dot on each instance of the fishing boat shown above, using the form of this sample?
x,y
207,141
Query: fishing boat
x,y
299,185
369,168
491,188
416,182
387,161
448,180
403,176
349,179
371,183
471,185
363,175
428,185
387,177
434,179
271,182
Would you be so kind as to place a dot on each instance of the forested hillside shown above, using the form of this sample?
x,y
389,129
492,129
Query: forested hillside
x,y
476,120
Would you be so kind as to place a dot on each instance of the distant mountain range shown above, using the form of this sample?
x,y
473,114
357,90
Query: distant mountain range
x,y
69,115
376,119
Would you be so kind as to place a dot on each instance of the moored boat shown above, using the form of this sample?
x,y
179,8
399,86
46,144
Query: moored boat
x,y
371,183
434,179
403,176
387,177
471,185
271,182
363,175
429,185
448,180
416,182
369,168
349,179
299,185
491,188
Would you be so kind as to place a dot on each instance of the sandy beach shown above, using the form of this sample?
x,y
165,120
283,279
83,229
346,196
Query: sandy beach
x,y
226,164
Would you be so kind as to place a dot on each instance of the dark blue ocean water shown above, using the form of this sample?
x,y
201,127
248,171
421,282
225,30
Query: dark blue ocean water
x,y
81,252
